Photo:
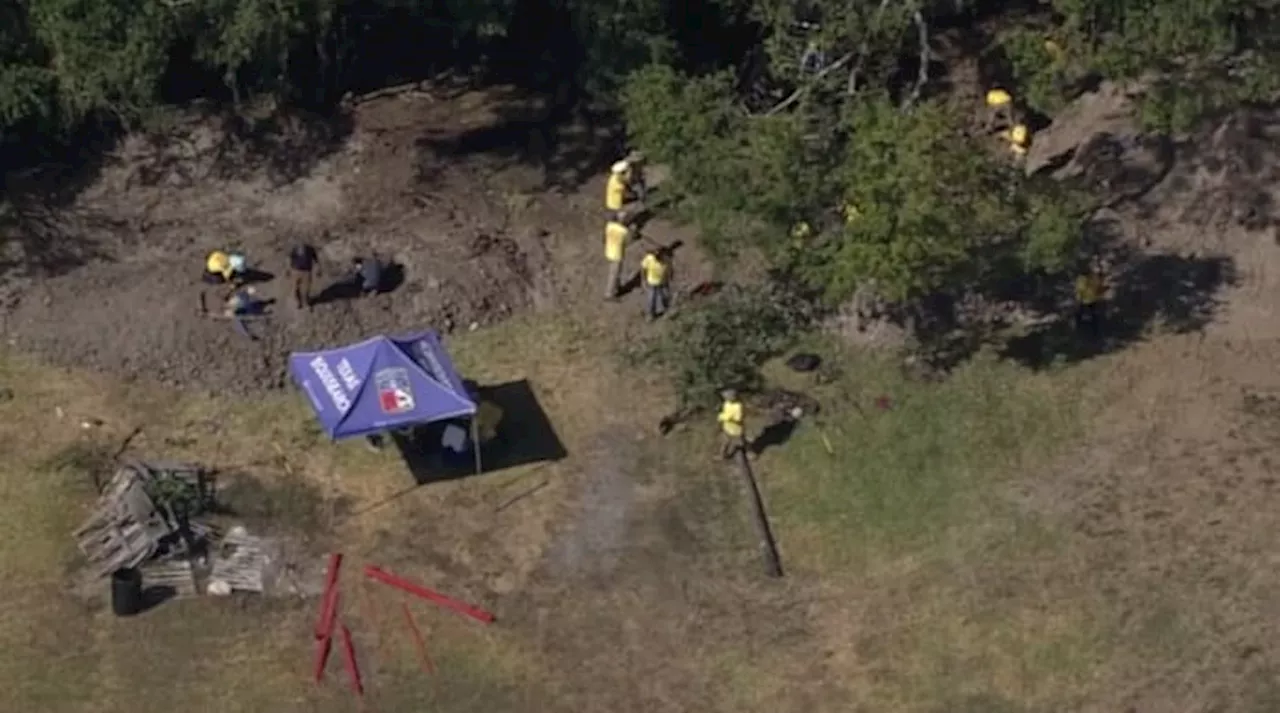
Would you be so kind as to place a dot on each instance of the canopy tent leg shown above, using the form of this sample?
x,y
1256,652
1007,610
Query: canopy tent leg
x,y
475,442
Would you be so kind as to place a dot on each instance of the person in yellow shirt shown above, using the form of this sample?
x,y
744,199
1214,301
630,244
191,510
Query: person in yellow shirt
x,y
488,416
615,190
1090,289
626,188
1000,109
616,235
216,278
655,268
1019,137
733,435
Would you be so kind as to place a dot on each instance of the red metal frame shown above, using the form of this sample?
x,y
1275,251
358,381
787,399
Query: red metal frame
x,y
430,595
353,668
428,666
324,624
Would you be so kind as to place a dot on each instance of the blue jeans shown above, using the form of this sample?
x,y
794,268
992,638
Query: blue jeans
x,y
659,299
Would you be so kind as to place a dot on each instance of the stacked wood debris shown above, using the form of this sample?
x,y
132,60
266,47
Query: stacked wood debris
x,y
133,522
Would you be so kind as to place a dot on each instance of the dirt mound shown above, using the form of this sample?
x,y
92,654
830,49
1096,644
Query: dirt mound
x,y
1227,175
119,292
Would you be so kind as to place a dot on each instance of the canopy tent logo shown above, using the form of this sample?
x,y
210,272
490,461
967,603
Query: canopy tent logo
x,y
395,391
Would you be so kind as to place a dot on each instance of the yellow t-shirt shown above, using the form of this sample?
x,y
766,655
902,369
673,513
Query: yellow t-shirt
x,y
1019,134
1055,51
851,213
615,191
488,416
998,97
730,418
615,240
1089,289
655,270
218,263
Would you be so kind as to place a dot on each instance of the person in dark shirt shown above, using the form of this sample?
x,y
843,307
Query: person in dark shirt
x,y
303,261
368,275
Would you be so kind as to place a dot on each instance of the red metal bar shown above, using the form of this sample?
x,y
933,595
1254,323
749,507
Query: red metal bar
x,y
331,616
326,601
324,643
427,666
430,595
322,657
353,668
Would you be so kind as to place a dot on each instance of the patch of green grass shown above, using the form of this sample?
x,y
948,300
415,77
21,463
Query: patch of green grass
x,y
909,469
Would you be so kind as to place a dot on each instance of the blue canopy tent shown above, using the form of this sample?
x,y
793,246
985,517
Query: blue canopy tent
x,y
383,384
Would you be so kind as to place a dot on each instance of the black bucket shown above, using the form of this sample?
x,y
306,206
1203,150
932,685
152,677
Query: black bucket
x,y
126,591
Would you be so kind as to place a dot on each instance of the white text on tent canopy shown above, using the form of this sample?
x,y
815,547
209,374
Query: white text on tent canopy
x,y
429,363
330,382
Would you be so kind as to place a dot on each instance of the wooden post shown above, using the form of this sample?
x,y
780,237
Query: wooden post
x,y
768,548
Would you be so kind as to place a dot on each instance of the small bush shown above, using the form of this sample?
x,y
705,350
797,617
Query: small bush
x,y
723,340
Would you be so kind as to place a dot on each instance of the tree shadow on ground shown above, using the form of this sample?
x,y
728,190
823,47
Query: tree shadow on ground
x,y
285,143
41,177
1171,293
36,241
568,148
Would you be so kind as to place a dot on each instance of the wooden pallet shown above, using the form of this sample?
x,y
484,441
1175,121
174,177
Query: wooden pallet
x,y
241,563
176,574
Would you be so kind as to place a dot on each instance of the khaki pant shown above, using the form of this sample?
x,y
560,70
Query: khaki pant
x,y
615,280
730,445
301,288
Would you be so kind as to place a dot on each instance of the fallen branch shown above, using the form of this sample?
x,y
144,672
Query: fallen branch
x,y
852,86
517,498
794,96
430,595
922,28
124,444
768,545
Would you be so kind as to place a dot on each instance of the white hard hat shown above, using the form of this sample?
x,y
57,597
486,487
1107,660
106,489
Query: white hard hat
x,y
620,167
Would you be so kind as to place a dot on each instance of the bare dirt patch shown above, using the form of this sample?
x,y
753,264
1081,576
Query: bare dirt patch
x,y
119,293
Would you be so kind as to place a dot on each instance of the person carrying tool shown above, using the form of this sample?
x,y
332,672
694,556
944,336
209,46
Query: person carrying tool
x,y
656,270
1090,289
616,235
303,261
733,437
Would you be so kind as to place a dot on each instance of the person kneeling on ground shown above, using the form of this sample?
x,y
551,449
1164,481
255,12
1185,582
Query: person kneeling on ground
x,y
216,276
243,302
368,275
